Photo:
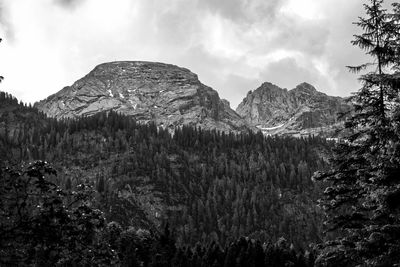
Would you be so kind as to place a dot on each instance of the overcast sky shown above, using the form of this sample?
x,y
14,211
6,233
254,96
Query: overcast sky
x,y
233,45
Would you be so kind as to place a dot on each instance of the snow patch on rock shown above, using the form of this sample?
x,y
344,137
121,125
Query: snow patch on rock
x,y
270,128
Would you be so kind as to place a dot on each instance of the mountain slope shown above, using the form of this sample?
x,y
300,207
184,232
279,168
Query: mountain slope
x,y
300,111
208,185
165,94
15,117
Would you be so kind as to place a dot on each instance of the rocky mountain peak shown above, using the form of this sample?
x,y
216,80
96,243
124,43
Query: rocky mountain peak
x,y
268,88
266,92
305,88
149,71
299,110
163,93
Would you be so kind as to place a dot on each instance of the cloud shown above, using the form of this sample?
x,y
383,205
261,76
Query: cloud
x,y
6,28
233,45
287,72
236,88
69,3
242,11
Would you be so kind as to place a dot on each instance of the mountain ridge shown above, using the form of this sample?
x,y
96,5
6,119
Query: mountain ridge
x,y
302,110
172,96
163,93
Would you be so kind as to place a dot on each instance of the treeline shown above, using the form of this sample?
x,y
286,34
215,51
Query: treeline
x,y
209,185
140,248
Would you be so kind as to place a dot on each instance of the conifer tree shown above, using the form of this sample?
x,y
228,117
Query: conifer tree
x,y
365,173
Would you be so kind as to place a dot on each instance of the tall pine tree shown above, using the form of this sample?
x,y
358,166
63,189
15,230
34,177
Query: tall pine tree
x,y
363,196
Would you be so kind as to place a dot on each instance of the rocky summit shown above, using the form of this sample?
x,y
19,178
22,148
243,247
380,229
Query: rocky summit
x,y
300,111
166,94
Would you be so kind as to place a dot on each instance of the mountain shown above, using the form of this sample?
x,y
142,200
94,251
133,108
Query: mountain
x,y
300,111
165,94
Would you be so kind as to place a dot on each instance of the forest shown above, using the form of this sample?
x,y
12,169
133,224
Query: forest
x,y
209,186
193,177
108,191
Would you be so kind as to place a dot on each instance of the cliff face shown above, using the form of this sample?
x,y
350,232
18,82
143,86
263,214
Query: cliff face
x,y
166,94
302,110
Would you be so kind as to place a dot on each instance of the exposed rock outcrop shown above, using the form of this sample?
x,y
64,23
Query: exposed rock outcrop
x,y
300,111
166,94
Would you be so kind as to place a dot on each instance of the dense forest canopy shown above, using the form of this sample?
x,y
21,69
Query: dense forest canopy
x,y
209,186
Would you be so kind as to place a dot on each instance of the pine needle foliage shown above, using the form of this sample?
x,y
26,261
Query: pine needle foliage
x,y
362,199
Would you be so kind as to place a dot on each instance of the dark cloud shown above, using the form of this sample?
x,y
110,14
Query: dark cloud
x,y
232,9
242,10
69,3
